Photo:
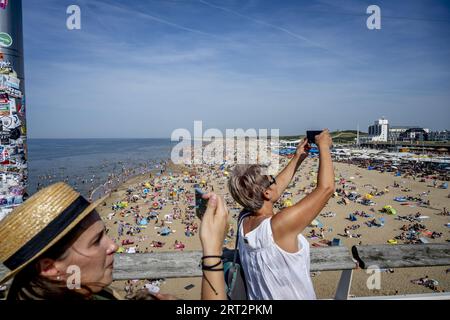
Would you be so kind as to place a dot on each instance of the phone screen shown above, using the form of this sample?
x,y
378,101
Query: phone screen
x,y
311,135
200,203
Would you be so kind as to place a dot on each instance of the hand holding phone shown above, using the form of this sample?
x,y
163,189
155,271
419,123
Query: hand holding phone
x,y
200,203
311,135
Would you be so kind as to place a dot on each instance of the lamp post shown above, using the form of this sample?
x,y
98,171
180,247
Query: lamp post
x,y
13,145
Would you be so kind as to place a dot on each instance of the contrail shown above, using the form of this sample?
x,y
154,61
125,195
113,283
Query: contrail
x,y
295,35
160,20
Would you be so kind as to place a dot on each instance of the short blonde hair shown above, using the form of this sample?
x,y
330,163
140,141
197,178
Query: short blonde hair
x,y
247,185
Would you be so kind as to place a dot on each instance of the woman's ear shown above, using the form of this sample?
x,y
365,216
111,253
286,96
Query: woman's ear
x,y
267,194
47,268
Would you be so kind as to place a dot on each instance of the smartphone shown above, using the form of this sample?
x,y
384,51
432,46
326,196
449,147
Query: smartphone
x,y
200,203
311,135
189,287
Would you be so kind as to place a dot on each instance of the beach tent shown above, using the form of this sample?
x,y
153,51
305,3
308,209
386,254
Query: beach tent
x,y
120,250
143,222
400,199
316,223
146,191
165,231
389,210
336,242
352,217
444,185
123,204
153,214
368,196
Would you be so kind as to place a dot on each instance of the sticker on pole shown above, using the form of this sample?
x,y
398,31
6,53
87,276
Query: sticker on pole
x,y
5,40
3,4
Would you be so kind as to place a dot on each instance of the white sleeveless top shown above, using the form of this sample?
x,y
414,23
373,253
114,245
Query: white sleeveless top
x,y
271,272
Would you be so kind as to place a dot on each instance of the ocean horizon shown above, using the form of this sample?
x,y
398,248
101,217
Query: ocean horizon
x,y
85,163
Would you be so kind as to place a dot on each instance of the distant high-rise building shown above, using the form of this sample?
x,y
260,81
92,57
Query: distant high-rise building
x,y
379,130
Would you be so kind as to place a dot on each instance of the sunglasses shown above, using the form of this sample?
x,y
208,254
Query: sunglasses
x,y
271,180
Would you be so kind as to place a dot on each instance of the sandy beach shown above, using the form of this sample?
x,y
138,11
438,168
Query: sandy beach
x,y
173,192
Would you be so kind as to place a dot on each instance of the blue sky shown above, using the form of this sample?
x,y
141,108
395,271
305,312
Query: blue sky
x,y
142,68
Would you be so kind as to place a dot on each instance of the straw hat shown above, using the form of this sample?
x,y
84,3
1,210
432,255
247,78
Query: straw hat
x,y
36,225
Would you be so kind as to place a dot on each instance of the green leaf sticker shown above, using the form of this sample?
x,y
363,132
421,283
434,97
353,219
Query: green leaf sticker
x,y
5,40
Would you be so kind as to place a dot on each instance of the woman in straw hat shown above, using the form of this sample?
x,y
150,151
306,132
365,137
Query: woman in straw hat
x,y
57,234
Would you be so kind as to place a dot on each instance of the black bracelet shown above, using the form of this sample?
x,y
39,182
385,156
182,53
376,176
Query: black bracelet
x,y
220,269
205,267
206,257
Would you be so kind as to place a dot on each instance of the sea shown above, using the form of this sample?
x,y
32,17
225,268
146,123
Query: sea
x,y
86,163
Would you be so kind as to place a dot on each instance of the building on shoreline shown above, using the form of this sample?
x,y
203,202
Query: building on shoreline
x,y
443,135
379,131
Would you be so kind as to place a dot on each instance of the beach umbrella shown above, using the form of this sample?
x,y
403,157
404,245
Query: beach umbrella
x,y
147,185
225,173
314,223
120,250
123,204
368,196
203,182
287,203
155,204
389,210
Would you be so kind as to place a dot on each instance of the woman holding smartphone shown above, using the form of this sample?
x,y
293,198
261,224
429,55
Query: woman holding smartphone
x,y
57,229
273,252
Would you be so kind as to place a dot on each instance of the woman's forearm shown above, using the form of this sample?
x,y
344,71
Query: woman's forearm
x,y
213,282
285,176
325,178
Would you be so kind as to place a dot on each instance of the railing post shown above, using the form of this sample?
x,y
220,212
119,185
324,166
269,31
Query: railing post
x,y
345,283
